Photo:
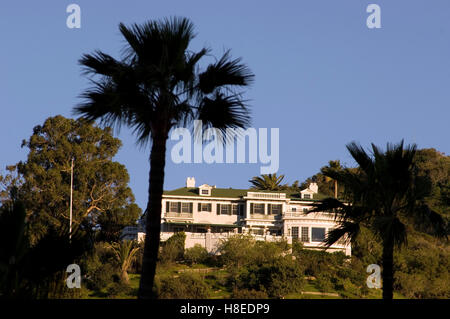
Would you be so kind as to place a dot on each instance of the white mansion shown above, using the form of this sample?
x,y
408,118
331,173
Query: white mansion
x,y
208,214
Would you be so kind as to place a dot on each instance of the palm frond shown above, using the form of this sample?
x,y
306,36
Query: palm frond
x,y
225,72
361,157
222,112
267,182
99,63
345,233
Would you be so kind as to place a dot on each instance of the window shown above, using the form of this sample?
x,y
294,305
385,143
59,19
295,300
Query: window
x,y
318,234
307,196
294,232
205,191
275,209
174,207
294,209
225,209
204,207
305,234
235,209
186,207
258,208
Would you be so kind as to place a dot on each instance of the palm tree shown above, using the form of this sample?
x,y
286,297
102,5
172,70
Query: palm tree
x,y
158,85
383,194
125,253
332,165
270,182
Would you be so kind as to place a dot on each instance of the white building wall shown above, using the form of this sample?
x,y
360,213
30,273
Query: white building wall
x,y
285,222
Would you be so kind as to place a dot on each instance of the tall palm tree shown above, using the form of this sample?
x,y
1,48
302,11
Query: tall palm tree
x,y
270,182
156,86
124,253
332,165
384,194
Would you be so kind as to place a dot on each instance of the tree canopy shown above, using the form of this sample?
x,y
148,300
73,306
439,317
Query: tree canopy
x,y
42,182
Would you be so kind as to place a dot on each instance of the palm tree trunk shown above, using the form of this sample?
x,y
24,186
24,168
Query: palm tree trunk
x,y
388,270
125,278
153,216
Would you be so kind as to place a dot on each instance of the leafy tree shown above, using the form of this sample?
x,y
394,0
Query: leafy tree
x,y
435,167
423,268
9,185
112,222
99,186
157,86
270,182
383,194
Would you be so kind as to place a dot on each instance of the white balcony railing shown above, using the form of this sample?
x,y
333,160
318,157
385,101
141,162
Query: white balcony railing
x,y
198,235
266,195
294,214
262,216
179,215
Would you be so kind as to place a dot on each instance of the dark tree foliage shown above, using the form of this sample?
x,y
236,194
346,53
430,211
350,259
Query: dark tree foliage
x,y
101,196
36,271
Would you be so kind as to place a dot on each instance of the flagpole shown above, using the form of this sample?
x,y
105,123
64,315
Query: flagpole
x,y
71,194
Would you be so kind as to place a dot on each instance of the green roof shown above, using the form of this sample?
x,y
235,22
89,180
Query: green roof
x,y
215,192
235,193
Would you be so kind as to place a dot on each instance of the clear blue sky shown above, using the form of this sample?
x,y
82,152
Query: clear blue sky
x,y
322,76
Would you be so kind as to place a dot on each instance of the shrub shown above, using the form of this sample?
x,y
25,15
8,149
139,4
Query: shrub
x,y
277,277
101,277
237,250
196,254
248,294
100,267
118,288
136,267
324,283
173,248
184,286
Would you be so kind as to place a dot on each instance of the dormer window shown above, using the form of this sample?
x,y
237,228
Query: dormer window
x,y
205,190
309,192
